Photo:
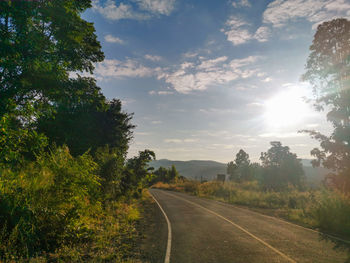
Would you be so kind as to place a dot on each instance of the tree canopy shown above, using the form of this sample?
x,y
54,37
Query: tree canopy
x,y
41,42
328,70
281,167
239,170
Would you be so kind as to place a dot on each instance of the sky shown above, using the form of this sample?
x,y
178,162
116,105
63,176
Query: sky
x,y
207,78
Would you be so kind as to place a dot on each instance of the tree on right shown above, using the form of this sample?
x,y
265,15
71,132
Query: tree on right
x,y
328,71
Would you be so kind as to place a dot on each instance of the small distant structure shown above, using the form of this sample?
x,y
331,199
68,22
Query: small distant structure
x,y
221,177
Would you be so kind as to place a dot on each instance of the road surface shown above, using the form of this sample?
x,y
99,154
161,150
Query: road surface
x,y
204,230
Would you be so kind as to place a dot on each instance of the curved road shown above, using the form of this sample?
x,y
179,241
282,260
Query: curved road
x,y
209,231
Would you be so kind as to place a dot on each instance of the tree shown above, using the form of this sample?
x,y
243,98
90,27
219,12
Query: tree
x,y
88,123
41,42
281,167
239,170
165,175
136,172
328,70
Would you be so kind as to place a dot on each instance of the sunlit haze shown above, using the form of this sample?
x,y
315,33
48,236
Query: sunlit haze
x,y
207,78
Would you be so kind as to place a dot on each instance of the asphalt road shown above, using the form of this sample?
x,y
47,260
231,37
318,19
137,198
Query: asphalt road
x,y
209,231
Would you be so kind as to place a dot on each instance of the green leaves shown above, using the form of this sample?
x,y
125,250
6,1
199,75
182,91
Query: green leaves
x,y
41,43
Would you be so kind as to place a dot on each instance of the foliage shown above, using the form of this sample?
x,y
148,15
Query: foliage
x,y
18,140
332,213
110,171
47,203
137,173
40,43
88,123
66,188
164,175
328,70
240,169
281,167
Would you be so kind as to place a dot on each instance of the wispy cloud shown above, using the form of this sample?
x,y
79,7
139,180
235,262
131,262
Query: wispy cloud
x,y
124,10
262,34
112,11
156,122
280,12
161,92
113,39
153,57
208,72
238,31
162,7
177,141
282,135
113,68
241,3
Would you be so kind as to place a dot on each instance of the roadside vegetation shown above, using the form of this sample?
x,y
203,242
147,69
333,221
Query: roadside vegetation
x,y
67,191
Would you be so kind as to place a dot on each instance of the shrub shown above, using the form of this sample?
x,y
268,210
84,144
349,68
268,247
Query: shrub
x,y
332,213
47,203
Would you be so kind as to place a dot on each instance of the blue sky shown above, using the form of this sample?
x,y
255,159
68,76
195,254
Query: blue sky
x,y
206,78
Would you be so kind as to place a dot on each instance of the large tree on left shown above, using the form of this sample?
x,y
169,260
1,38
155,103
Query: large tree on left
x,y
41,42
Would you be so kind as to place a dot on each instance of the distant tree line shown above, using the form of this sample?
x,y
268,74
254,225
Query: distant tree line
x,y
278,169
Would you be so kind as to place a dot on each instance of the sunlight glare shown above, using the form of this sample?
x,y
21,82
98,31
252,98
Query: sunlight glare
x,y
287,108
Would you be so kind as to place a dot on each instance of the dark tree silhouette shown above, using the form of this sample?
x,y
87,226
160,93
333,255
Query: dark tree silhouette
x,y
239,170
281,167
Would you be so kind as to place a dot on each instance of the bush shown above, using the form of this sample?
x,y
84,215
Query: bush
x,y
47,203
332,213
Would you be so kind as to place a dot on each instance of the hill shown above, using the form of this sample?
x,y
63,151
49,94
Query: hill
x,y
207,170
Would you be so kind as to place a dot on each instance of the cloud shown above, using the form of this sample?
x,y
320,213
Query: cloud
x,y
127,101
238,31
255,104
241,3
180,140
190,54
116,12
153,57
173,141
162,92
156,122
113,68
208,72
186,77
268,79
280,12
162,7
113,39
262,34
217,111
281,135
147,9
209,64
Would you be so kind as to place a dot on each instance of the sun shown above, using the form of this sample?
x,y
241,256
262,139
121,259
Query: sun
x,y
287,109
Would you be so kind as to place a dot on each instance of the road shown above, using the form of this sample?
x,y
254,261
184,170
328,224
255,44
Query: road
x,y
204,230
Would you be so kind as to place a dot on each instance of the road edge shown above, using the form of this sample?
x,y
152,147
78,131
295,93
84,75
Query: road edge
x,y
168,248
